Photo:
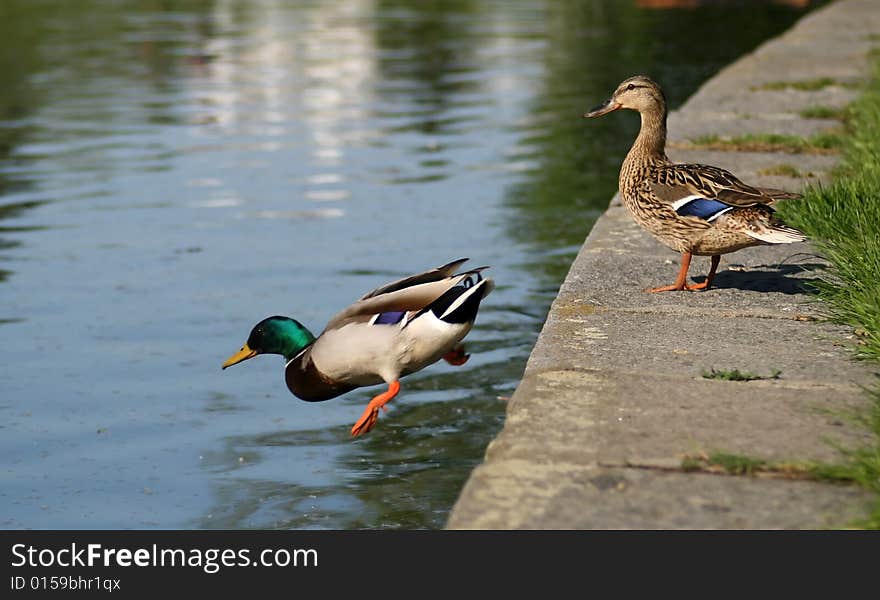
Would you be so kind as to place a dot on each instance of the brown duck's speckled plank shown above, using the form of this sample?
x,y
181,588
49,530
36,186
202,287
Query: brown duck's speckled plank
x,y
613,396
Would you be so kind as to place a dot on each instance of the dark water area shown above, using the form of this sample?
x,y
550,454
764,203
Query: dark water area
x,y
173,172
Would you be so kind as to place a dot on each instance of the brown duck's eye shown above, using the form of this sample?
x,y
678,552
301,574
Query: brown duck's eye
x,y
630,87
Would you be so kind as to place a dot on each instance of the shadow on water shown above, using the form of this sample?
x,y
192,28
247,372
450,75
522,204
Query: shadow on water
x,y
172,172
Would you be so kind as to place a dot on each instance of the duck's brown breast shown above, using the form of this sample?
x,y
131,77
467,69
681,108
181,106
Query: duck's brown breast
x,y
306,382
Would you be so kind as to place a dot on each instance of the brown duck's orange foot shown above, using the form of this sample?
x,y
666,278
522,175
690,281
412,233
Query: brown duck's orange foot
x,y
679,288
681,281
371,413
457,356
667,288
698,286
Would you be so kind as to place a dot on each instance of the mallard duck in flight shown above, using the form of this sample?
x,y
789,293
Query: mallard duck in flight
x,y
392,331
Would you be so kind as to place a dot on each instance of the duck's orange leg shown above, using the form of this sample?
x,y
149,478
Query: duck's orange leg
x,y
457,356
371,413
680,281
705,285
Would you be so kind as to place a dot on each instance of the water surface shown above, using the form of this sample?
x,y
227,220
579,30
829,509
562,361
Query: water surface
x,y
173,172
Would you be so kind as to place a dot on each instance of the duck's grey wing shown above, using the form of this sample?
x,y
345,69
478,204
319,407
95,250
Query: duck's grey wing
x,y
411,293
431,275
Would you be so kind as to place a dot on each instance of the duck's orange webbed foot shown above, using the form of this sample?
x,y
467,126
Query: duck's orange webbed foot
x,y
667,288
675,287
704,285
457,356
681,281
371,413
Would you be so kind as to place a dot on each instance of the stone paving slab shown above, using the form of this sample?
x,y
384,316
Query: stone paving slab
x,y
776,422
731,125
613,395
653,343
747,100
565,496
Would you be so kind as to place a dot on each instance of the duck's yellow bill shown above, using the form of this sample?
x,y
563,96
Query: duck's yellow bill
x,y
243,354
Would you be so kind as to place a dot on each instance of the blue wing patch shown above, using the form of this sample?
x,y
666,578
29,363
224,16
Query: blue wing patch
x,y
389,318
703,208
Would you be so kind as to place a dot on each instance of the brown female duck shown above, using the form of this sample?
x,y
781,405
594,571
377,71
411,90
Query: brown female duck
x,y
692,208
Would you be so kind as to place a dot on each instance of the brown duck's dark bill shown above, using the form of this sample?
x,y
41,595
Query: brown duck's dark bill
x,y
243,354
603,109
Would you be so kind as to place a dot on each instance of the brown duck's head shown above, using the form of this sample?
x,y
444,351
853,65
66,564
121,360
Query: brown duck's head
x,y
639,93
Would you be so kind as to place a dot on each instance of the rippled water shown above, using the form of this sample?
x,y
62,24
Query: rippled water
x,y
172,172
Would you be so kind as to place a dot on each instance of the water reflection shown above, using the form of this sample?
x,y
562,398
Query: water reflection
x,y
172,172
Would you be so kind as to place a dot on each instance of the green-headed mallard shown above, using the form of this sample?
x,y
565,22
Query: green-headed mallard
x,y
397,329
692,208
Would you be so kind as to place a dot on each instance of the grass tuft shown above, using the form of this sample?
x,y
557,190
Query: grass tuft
x,y
805,85
784,170
828,142
736,464
823,112
737,375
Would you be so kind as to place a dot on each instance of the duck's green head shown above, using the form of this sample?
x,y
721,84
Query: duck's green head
x,y
274,335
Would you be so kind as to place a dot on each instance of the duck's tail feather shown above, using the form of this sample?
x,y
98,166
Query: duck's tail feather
x,y
461,303
778,194
777,234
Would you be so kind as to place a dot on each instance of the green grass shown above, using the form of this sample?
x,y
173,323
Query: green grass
x,y
740,464
843,222
822,143
805,85
784,170
736,464
823,112
737,375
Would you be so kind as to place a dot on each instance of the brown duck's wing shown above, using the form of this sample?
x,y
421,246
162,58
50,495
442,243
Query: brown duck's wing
x,y
411,293
677,181
777,194
669,193
767,196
